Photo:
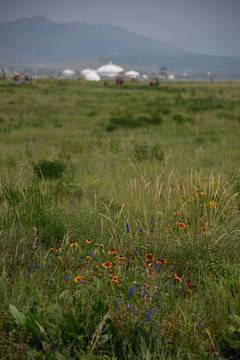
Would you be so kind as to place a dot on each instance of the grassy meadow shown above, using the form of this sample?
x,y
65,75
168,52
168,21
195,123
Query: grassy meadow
x,y
119,226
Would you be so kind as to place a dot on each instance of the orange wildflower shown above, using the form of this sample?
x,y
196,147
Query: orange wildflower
x,y
56,250
161,261
89,241
174,262
149,257
88,257
148,263
181,225
73,245
121,257
176,213
178,278
107,264
115,279
112,251
78,279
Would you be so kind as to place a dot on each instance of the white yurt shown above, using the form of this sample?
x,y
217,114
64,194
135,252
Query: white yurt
x,y
132,74
68,72
85,71
110,70
171,77
145,76
92,76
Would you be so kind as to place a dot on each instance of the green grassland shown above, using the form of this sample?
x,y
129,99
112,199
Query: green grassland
x,y
119,227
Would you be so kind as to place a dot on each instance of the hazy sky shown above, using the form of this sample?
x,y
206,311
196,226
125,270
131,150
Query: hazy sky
x,y
157,19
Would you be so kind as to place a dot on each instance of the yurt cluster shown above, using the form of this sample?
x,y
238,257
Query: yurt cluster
x,y
108,71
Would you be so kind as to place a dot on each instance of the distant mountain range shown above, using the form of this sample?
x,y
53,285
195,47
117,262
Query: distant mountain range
x,y
38,41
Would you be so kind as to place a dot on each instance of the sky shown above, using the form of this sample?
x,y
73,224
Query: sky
x,y
157,19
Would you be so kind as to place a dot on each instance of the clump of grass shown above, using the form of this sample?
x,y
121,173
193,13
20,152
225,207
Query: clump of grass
x,y
145,151
128,121
180,120
49,169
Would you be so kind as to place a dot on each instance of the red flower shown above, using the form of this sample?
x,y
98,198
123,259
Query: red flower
x,y
78,279
148,263
149,257
112,251
181,225
161,261
107,264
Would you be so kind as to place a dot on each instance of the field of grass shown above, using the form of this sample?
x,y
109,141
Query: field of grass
x,y
119,226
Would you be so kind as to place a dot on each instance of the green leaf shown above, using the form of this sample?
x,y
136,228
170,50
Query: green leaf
x,y
232,328
19,317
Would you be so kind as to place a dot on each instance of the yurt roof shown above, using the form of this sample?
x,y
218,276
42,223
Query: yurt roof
x,y
92,76
85,71
68,72
131,73
110,70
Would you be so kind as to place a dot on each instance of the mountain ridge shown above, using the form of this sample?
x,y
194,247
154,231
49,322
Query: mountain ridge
x,y
38,40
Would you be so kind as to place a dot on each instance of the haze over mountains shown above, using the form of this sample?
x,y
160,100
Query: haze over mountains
x,y
38,41
221,43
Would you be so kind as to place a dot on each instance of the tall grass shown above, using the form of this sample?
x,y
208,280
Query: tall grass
x,y
132,250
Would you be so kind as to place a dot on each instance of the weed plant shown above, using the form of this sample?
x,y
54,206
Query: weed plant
x,y
126,245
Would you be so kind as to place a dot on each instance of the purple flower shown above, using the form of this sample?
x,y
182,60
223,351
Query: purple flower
x,y
71,202
152,222
149,315
67,277
131,291
118,302
170,286
127,226
54,348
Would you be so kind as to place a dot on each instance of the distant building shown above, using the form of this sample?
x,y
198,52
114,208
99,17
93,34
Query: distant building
x,y
132,75
110,70
68,73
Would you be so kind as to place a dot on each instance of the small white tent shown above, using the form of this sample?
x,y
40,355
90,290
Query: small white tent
x,y
92,76
110,70
85,71
145,76
132,74
171,77
68,72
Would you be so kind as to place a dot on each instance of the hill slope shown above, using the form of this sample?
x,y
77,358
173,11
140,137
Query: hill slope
x,y
39,41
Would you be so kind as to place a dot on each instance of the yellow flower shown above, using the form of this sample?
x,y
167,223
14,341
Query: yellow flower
x,y
73,245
